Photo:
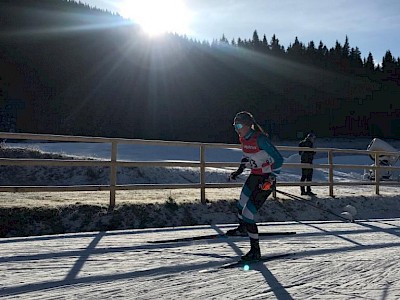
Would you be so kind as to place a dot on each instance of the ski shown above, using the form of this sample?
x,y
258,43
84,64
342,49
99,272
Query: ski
x,y
247,265
266,258
218,236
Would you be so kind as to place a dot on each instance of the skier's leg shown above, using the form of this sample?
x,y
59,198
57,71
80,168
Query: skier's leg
x,y
244,198
254,203
257,199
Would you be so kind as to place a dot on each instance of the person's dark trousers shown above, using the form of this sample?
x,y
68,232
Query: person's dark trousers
x,y
306,175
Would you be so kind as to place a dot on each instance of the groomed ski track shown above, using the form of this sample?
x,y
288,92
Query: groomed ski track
x,y
333,260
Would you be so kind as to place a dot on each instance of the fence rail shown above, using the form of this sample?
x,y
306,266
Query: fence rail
x,y
202,164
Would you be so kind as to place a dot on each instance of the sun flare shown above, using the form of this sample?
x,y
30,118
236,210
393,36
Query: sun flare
x,y
157,16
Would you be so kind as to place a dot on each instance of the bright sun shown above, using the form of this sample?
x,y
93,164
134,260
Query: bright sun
x,y
157,16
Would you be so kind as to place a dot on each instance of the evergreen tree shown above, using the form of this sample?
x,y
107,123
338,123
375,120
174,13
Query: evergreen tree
x,y
240,43
338,50
224,40
276,48
311,48
296,50
265,44
369,63
355,59
337,58
257,44
256,39
311,53
322,55
322,50
346,48
389,67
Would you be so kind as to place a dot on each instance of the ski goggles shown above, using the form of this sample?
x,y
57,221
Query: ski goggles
x,y
238,126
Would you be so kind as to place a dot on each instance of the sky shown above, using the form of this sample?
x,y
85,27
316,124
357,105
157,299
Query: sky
x,y
330,258
371,25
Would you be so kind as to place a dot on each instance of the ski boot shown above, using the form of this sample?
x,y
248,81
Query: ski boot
x,y
254,253
309,193
238,231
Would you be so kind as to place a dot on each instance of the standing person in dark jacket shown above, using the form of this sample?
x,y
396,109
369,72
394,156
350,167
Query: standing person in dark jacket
x,y
265,163
307,157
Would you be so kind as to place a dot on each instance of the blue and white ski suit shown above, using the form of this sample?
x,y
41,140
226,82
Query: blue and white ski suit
x,y
265,162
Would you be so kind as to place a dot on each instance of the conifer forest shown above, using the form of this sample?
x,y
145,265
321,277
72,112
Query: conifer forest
x,y
68,68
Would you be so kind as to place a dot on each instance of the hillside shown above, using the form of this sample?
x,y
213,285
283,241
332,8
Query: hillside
x,y
66,68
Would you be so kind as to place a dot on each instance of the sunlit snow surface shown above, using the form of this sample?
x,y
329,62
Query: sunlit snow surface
x,y
333,260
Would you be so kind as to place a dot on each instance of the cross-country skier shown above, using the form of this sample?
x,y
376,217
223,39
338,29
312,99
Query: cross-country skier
x,y
265,163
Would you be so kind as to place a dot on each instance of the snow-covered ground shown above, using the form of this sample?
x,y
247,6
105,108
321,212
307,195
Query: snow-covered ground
x,y
332,259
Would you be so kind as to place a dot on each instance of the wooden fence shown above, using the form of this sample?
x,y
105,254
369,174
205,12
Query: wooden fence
x,y
202,164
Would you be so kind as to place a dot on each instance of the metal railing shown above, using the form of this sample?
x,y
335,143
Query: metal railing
x,y
202,164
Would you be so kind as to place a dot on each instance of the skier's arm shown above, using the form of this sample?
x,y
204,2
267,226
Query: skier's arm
x,y
241,168
266,145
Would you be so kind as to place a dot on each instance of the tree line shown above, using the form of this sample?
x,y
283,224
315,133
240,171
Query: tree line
x,y
339,58
67,68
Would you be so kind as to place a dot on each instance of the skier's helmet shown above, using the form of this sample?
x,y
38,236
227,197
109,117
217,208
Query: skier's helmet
x,y
244,118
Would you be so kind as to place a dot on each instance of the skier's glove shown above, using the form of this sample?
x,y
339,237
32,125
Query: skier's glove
x,y
235,174
268,183
243,163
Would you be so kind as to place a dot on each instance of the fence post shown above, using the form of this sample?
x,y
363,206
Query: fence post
x,y
330,161
202,174
113,175
377,173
